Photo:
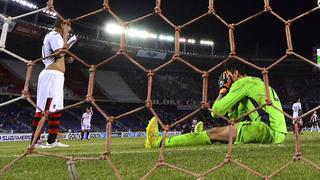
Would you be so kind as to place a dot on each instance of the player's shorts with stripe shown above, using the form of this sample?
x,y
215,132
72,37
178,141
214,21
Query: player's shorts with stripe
x,y
85,126
50,85
257,132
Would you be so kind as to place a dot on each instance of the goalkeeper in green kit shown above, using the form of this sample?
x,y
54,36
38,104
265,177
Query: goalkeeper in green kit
x,y
238,95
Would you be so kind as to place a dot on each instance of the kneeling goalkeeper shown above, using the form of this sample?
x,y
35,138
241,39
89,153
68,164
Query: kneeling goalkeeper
x,y
238,95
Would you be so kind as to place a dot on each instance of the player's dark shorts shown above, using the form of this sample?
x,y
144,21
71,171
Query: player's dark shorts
x,y
257,132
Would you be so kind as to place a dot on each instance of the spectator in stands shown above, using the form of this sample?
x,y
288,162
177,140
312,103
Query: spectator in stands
x,y
50,83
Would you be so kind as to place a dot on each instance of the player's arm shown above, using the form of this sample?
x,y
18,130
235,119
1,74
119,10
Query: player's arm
x,y
56,44
300,110
225,102
82,119
91,111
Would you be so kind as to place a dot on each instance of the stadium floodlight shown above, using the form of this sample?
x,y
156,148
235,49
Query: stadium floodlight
x,y
26,4
183,40
141,34
114,29
206,42
50,13
191,41
166,38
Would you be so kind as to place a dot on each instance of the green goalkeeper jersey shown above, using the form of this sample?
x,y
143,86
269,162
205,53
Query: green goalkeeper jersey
x,y
244,95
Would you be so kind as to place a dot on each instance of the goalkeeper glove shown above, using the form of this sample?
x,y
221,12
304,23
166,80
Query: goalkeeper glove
x,y
224,83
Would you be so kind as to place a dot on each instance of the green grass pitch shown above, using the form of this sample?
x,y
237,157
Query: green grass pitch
x,y
133,161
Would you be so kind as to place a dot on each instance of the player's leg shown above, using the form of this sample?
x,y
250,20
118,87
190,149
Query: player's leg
x,y
88,131
199,127
56,93
42,98
35,122
153,139
81,134
87,135
57,103
82,131
257,132
54,125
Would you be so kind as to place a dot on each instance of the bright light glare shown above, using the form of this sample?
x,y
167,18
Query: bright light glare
x,y
114,29
183,40
206,42
26,4
50,13
166,38
141,34
191,41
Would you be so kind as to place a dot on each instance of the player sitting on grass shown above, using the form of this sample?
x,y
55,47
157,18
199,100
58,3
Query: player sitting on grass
x,y
238,95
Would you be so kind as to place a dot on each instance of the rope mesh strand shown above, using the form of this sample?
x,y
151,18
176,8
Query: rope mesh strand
x,y
25,94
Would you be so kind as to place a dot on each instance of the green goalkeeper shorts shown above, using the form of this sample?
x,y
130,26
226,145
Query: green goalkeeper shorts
x,y
257,132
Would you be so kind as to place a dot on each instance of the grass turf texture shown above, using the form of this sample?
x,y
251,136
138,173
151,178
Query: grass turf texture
x,y
133,161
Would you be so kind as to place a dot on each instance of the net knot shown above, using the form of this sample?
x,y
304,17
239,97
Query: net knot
x,y
232,26
264,71
289,51
205,74
70,161
92,68
288,22
120,52
297,156
204,105
267,8
25,94
89,99
106,5
266,177
157,10
111,119
166,128
29,150
148,104
228,158
105,155
211,10
150,73
50,5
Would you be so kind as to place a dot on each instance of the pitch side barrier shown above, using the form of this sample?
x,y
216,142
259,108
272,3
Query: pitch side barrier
x,y
77,135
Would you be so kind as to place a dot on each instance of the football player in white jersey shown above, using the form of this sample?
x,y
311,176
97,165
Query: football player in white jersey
x,y
86,123
314,121
297,111
50,84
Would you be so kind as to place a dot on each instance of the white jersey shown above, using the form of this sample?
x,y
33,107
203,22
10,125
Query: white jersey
x,y
296,107
87,117
314,118
52,42
194,122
